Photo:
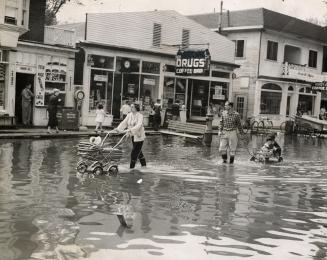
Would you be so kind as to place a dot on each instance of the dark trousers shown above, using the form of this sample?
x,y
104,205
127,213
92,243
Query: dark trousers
x,y
278,152
156,122
137,154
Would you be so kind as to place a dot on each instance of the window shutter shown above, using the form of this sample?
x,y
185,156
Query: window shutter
x,y
156,35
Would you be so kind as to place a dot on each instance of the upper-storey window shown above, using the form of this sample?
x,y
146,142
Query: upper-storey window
x,y
239,48
312,59
11,12
272,50
292,54
185,38
156,40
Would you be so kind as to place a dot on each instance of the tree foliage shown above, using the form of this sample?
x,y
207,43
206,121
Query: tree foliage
x,y
53,7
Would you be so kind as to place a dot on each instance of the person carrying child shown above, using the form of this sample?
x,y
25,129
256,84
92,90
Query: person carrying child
x,y
270,149
99,118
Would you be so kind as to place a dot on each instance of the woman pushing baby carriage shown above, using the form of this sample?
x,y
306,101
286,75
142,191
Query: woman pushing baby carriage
x,y
132,125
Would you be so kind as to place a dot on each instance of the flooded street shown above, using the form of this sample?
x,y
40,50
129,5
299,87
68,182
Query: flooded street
x,y
183,205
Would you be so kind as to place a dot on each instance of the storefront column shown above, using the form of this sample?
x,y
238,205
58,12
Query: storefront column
x,y
86,89
295,101
230,91
283,103
257,98
10,95
317,104
161,82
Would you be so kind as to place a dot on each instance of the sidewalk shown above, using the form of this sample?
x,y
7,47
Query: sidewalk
x,y
41,133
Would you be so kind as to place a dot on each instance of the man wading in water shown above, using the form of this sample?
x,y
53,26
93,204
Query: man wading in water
x,y
230,122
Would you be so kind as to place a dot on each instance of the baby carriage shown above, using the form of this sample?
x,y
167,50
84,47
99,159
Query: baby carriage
x,y
98,158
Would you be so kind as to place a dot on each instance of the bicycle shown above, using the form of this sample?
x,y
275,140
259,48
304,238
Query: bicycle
x,y
263,124
296,126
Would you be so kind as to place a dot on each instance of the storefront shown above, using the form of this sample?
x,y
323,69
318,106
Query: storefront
x,y
278,100
111,76
45,67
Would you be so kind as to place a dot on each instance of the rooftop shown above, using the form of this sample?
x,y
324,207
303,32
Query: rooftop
x,y
265,18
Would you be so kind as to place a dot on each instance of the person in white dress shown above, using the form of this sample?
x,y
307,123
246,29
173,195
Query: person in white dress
x,y
99,118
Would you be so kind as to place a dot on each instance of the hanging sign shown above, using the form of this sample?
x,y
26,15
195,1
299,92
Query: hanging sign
x,y
40,82
193,62
319,86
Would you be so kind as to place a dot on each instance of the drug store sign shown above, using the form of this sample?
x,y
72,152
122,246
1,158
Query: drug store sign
x,y
192,62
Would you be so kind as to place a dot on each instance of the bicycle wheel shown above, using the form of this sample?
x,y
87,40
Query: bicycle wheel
x,y
261,127
254,127
269,125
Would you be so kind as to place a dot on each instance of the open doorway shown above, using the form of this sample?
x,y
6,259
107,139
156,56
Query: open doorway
x,y
21,80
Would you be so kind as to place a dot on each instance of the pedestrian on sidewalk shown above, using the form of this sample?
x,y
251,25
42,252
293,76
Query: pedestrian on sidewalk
x,y
175,110
230,123
27,96
54,101
133,126
125,109
99,118
157,115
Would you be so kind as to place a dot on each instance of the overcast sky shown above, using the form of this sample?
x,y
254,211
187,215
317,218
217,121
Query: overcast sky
x,y
74,12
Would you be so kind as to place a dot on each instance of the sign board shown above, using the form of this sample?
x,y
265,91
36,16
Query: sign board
x,y
150,82
192,63
102,78
300,72
319,86
40,82
218,97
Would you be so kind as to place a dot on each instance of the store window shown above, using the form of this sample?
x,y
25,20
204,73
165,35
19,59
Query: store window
x,y
272,50
55,77
168,92
306,101
271,97
101,62
174,89
149,90
101,89
2,85
218,96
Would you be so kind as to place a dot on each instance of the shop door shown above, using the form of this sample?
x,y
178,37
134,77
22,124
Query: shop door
x,y
21,80
199,99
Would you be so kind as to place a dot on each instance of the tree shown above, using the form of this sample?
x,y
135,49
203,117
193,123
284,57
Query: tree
x,y
53,7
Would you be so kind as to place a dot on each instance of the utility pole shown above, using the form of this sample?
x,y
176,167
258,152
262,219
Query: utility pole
x,y
220,17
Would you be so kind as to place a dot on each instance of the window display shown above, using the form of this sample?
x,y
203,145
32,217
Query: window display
x,y
55,77
101,89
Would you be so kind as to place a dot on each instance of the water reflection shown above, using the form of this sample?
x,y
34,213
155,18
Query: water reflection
x,y
187,206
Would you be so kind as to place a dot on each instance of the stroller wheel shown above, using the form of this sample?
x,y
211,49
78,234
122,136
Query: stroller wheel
x,y
98,170
113,170
81,167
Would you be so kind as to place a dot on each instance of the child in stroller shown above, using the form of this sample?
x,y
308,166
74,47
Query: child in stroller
x,y
270,149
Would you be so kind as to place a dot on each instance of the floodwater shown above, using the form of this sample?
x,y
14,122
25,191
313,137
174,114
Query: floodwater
x,y
183,205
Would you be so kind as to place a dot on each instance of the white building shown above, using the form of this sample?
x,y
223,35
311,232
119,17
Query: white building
x,y
148,42
30,53
280,57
